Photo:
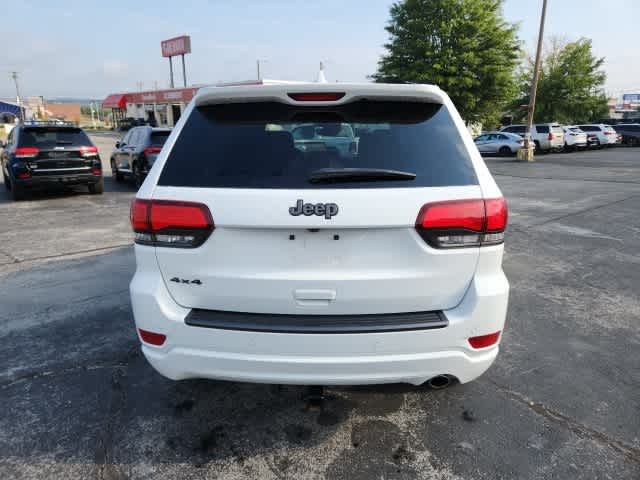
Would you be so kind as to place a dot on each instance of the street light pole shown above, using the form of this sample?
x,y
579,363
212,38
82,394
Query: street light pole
x,y
528,147
14,75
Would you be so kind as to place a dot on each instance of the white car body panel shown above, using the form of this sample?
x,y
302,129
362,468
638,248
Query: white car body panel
x,y
378,265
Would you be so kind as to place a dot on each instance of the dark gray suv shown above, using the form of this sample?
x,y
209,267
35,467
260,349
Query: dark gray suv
x,y
135,154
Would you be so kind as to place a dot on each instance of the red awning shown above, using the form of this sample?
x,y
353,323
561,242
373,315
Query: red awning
x,y
115,100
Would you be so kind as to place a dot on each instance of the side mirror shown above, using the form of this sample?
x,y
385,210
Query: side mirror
x,y
118,144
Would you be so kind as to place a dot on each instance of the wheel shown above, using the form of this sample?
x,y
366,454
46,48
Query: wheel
x,y
567,148
17,192
505,151
97,188
7,184
117,176
137,176
537,146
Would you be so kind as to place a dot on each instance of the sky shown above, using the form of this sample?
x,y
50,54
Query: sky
x,y
88,49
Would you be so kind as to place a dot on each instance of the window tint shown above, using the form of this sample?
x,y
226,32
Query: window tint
x,y
502,137
590,128
158,138
273,145
481,138
134,139
49,137
542,128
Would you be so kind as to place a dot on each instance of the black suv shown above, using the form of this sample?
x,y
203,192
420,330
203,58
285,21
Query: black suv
x,y
630,133
38,155
135,153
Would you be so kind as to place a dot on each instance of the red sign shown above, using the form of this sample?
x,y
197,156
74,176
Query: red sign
x,y
176,46
162,96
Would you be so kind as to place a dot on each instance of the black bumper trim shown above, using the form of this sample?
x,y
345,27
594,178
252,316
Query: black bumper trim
x,y
276,323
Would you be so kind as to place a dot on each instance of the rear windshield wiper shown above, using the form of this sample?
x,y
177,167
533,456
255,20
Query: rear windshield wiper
x,y
358,175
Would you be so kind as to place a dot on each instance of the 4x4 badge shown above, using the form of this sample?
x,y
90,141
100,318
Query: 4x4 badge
x,y
184,280
308,209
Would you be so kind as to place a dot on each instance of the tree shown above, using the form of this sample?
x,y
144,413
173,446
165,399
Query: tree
x,y
570,88
463,46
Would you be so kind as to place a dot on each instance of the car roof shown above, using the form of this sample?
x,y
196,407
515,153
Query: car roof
x,y
352,91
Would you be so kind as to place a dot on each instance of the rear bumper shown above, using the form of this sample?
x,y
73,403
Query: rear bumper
x,y
319,358
44,181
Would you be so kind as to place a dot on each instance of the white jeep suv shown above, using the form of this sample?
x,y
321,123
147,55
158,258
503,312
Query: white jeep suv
x,y
264,259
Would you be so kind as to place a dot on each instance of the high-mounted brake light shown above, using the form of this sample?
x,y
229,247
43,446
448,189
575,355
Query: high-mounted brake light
x,y
150,150
169,223
26,152
484,341
316,96
463,223
88,151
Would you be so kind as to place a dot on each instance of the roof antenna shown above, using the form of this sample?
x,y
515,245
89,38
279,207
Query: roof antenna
x,y
321,78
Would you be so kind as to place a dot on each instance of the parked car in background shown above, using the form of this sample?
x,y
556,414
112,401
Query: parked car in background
x,y
546,136
503,143
574,138
338,137
605,134
629,133
135,154
41,155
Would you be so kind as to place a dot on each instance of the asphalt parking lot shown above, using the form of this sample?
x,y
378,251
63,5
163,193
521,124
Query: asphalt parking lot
x,y
562,400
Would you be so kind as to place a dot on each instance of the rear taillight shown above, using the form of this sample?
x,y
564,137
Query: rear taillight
x,y
24,175
97,171
316,96
88,151
26,152
463,223
152,338
484,341
168,223
150,150
609,133
550,137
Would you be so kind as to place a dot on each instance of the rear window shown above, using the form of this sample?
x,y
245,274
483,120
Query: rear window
x,y
50,137
273,145
158,138
542,128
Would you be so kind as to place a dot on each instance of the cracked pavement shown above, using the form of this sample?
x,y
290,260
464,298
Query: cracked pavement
x,y
561,401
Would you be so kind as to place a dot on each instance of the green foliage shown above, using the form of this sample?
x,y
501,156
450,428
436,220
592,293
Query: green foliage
x,y
463,46
570,88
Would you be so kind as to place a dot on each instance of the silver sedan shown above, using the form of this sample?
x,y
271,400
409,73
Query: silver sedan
x,y
502,143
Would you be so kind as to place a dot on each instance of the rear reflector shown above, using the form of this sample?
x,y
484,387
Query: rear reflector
x,y
152,338
26,152
168,223
316,96
484,341
463,223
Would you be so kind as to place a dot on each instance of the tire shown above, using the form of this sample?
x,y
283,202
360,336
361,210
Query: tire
x,y
7,183
97,188
137,176
17,193
505,151
537,149
117,176
567,148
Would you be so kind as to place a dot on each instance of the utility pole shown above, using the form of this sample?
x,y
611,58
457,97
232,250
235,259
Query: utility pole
x,y
528,145
14,75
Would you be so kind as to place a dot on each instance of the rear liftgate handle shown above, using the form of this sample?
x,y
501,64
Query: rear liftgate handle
x,y
314,297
